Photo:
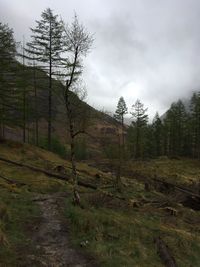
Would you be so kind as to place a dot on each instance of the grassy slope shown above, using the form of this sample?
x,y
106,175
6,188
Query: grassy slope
x,y
184,171
119,233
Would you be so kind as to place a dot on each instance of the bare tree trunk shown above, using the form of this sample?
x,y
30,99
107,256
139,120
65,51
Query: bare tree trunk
x,y
72,137
50,89
36,105
137,152
24,99
118,177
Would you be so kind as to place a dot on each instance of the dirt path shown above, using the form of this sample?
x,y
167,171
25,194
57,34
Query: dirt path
x,y
51,236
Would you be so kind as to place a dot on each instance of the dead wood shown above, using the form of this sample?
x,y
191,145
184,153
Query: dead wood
x,y
11,181
50,174
177,187
164,253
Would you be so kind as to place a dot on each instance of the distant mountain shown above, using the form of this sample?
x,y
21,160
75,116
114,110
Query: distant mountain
x,y
186,103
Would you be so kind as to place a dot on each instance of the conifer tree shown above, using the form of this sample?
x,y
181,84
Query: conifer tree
x,y
46,48
7,76
119,115
157,128
195,124
175,125
140,119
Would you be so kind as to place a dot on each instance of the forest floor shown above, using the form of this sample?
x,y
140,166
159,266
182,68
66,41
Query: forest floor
x,y
51,236
39,225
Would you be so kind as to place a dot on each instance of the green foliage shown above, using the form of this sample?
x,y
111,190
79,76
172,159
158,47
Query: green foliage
x,y
8,93
137,130
175,124
121,110
46,44
195,125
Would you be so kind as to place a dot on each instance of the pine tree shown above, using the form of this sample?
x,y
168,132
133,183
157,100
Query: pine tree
x,y
175,124
195,124
7,76
157,128
46,48
119,115
140,119
121,110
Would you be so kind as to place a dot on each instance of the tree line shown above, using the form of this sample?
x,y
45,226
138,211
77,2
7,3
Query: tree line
x,y
175,134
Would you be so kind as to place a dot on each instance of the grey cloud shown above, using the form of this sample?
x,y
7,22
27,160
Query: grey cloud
x,y
143,49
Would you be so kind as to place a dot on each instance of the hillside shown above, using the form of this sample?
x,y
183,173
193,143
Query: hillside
x,y
96,123
111,229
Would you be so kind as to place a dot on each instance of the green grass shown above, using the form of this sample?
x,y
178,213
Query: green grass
x,y
178,171
123,236
20,212
119,233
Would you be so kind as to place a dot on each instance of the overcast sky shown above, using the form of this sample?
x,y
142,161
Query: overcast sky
x,y
146,49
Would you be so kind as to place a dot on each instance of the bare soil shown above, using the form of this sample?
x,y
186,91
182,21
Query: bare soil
x,y
51,237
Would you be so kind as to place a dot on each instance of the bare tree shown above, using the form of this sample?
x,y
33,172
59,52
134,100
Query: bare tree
x,y
78,43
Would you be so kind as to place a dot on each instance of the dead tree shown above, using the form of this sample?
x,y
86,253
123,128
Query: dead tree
x,y
78,42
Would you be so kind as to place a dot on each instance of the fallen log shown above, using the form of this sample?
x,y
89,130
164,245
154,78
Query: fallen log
x,y
36,169
164,253
180,188
177,187
11,181
50,174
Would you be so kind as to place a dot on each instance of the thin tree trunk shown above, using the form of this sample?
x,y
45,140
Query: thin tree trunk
x,y
50,90
137,153
24,100
123,139
72,137
119,166
36,106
